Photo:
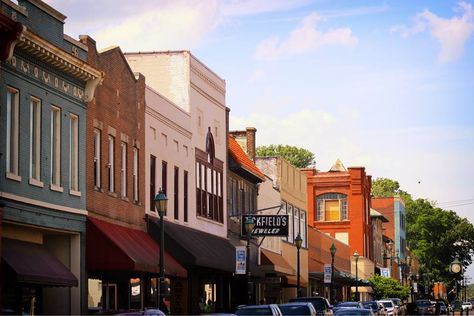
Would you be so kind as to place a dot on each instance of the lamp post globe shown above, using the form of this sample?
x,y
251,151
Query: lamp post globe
x,y
161,205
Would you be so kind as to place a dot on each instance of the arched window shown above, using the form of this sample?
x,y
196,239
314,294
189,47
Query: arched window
x,y
331,207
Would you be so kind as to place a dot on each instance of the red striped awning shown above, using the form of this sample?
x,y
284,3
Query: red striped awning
x,y
112,247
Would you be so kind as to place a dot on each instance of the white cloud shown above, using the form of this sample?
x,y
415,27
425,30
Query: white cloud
x,y
451,33
143,25
256,76
175,25
304,39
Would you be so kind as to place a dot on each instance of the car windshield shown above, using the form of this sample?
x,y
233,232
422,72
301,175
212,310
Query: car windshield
x,y
372,305
354,311
294,310
254,311
348,304
423,303
317,303
387,304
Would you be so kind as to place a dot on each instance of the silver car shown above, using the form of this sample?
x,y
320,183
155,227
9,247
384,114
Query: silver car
x,y
268,309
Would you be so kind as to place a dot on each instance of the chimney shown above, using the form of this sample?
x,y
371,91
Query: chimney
x,y
251,142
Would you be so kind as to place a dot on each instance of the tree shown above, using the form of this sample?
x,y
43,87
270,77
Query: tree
x,y
384,187
437,237
388,287
298,157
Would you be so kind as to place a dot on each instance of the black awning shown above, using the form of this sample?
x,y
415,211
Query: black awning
x,y
340,277
33,264
192,247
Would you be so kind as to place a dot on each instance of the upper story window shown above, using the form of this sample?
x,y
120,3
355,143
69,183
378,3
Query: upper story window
x,y
209,182
135,174
331,207
111,164
74,152
35,140
13,122
55,146
97,155
123,170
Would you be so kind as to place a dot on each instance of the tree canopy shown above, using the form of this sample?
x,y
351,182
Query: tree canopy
x,y
384,187
298,157
388,287
436,236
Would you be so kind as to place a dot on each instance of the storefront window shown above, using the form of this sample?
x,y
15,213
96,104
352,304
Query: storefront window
x,y
208,298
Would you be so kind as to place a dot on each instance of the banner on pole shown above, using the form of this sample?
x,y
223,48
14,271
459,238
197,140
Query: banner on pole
x,y
385,272
327,273
240,259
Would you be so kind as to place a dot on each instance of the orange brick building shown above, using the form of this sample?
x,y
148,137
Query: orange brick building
x,y
339,205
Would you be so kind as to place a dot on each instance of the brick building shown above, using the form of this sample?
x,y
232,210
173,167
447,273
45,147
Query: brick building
x,y
339,205
393,208
122,259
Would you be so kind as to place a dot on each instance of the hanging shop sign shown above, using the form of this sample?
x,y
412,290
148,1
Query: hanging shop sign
x,y
267,225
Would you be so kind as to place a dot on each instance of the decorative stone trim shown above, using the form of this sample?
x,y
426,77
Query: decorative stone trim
x,y
63,61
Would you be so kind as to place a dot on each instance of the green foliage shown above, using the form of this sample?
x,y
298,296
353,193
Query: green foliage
x,y
298,157
437,237
434,235
388,287
383,187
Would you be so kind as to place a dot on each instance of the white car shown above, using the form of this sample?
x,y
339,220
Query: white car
x,y
388,306
466,306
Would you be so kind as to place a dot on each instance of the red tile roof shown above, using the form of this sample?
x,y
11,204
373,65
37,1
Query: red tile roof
x,y
242,159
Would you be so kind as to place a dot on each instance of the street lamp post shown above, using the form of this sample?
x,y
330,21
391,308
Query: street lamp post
x,y
356,257
333,252
455,267
298,242
161,205
249,225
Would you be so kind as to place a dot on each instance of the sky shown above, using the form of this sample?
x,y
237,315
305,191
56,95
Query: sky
x,y
388,85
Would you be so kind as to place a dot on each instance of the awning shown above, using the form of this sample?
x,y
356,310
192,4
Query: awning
x,y
195,248
33,264
273,262
112,247
340,277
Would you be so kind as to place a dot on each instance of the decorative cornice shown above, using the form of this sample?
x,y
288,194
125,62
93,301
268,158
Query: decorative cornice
x,y
63,61
210,82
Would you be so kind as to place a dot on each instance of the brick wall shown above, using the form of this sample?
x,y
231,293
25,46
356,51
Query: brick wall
x,y
118,109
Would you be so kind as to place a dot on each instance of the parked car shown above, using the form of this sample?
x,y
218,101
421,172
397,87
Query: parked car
x,y
349,311
297,308
455,306
320,303
443,310
388,306
466,306
400,308
424,307
376,307
145,312
268,309
348,304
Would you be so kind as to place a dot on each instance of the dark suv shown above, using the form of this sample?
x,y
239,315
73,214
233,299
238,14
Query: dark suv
x,y
320,303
